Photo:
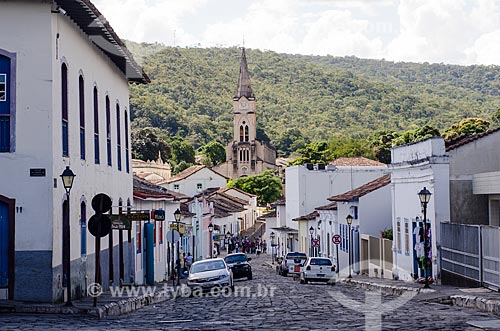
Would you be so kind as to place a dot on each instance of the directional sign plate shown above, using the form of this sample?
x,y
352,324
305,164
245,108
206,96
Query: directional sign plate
x,y
315,243
336,239
120,222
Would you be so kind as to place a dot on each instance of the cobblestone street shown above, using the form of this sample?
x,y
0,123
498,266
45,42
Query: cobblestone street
x,y
288,305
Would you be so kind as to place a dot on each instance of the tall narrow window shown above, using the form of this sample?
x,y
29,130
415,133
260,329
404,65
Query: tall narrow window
x,y
5,111
138,236
83,229
398,235
64,106
407,237
97,158
118,138
241,133
81,97
246,132
108,130
127,157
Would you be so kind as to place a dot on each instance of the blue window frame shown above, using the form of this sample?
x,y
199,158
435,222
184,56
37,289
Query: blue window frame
x,y
81,99
127,161
118,138
7,100
108,130
83,229
64,106
97,158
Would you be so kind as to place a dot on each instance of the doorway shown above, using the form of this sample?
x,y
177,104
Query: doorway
x,y
7,232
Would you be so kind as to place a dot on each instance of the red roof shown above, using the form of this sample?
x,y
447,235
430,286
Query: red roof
x,y
358,161
307,217
363,189
463,140
330,206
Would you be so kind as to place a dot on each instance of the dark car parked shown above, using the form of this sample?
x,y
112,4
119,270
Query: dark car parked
x,y
238,263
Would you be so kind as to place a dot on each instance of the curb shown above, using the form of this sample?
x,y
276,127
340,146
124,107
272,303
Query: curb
x,y
386,289
482,304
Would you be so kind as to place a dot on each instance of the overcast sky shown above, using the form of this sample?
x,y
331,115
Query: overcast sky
x,y
448,31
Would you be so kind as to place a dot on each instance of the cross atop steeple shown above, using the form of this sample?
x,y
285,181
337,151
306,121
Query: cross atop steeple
x,y
244,89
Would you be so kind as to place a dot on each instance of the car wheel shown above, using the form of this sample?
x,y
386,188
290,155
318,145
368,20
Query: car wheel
x,y
249,277
305,281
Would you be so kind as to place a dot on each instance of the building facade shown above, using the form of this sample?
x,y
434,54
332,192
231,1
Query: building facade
x,y
245,155
64,101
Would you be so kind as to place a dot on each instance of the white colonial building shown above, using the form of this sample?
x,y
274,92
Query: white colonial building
x,y
415,166
194,180
64,101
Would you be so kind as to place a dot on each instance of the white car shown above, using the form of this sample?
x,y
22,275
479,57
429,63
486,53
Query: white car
x,y
210,273
318,269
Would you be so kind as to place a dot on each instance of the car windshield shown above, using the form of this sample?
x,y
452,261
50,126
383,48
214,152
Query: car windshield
x,y
235,258
320,262
290,256
207,266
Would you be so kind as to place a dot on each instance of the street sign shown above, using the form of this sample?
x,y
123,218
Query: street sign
x,y
120,222
315,243
99,225
336,239
101,203
176,236
182,227
159,215
139,216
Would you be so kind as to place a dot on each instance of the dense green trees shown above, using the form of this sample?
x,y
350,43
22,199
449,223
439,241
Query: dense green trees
x,y
266,186
303,99
214,152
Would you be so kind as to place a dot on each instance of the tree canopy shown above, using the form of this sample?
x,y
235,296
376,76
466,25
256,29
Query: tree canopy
x,y
266,186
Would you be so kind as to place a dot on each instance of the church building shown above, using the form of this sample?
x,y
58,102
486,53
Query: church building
x,y
245,155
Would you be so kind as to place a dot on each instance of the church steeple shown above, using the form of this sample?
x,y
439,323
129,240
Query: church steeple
x,y
244,89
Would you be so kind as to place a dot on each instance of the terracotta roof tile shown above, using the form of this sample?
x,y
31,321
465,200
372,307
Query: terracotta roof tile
x,y
183,174
144,190
330,206
463,140
268,215
358,161
363,189
307,217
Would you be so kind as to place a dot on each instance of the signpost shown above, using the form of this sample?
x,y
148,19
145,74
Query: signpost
x,y
337,240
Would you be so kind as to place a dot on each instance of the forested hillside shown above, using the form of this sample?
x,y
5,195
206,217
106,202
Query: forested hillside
x,y
303,98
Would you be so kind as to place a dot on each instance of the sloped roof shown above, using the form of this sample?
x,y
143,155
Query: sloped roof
x,y
187,173
358,161
310,216
90,20
363,189
244,89
146,190
330,206
225,189
268,215
464,140
280,202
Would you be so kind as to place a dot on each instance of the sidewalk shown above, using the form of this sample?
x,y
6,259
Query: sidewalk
x,y
107,305
479,298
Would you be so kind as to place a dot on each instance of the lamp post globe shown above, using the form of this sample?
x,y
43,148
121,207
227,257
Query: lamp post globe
x,y
349,219
311,231
210,230
177,215
425,196
67,178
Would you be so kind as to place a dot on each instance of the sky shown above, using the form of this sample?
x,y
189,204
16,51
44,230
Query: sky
x,y
437,31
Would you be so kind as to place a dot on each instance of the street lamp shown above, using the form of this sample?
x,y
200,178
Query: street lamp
x,y
311,231
67,177
290,236
210,229
425,196
348,219
272,235
177,217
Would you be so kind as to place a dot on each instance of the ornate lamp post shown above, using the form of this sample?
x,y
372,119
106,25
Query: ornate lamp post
x,y
272,235
67,177
425,196
210,230
311,231
177,217
348,219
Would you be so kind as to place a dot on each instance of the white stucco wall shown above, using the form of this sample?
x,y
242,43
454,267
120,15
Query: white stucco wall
x,y
206,177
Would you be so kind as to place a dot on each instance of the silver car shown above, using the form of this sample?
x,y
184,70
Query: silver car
x,y
210,273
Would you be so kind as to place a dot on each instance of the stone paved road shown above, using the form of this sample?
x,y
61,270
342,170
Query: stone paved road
x,y
292,306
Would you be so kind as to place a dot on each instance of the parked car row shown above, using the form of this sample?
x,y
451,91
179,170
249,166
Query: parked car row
x,y
309,269
210,273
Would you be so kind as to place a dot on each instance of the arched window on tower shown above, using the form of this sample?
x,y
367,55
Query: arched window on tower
x,y
241,155
246,132
241,132
248,155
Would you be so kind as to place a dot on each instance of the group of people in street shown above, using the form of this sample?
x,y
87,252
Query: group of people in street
x,y
246,245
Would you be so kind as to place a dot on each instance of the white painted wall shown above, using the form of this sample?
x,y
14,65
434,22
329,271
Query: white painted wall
x,y
206,177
